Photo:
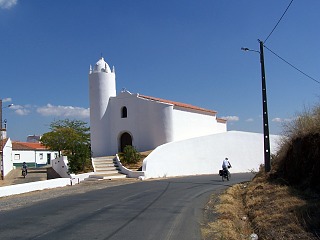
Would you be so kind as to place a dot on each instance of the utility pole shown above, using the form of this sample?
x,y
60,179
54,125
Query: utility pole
x,y
266,140
267,162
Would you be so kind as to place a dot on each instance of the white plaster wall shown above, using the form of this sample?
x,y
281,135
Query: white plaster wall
x,y
102,86
25,156
7,160
188,124
32,157
34,186
221,127
148,122
45,184
60,165
204,155
128,172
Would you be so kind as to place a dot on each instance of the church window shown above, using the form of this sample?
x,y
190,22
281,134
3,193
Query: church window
x,y
124,112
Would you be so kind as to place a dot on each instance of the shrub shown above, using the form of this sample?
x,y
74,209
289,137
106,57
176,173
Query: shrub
x,y
297,160
130,155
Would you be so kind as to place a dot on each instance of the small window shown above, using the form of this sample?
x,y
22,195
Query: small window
x,y
41,156
17,157
124,112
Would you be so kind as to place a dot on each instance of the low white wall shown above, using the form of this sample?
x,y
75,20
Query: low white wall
x,y
204,155
33,186
77,178
45,184
60,165
128,172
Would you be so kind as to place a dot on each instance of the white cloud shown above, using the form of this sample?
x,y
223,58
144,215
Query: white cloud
x,y
7,4
250,120
281,120
276,120
20,110
231,118
6,99
63,111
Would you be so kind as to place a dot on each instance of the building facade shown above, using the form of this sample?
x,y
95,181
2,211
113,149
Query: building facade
x,y
34,154
141,121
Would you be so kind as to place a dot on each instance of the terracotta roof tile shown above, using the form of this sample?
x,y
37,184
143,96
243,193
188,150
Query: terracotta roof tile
x,y
179,104
28,146
221,120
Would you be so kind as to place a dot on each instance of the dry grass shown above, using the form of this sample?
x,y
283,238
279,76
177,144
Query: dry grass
x,y
228,208
274,210
271,210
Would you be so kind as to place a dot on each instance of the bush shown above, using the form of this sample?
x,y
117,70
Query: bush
x,y
307,122
130,155
297,161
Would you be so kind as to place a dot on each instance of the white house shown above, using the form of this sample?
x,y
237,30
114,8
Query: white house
x,y
138,120
34,154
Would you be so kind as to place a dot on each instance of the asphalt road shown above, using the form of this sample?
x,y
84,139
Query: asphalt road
x,y
158,209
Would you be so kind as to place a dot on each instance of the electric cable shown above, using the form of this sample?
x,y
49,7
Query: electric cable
x,y
292,65
278,21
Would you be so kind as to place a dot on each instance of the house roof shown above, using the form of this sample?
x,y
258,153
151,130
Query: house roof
x,y
178,104
221,120
27,146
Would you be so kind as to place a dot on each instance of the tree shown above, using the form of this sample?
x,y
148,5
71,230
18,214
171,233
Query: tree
x,y
71,138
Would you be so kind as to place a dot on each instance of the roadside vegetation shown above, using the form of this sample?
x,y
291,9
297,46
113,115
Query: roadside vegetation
x,y
132,159
281,204
70,138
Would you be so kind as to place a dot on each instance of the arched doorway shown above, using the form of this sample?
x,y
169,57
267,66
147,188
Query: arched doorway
x,y
125,139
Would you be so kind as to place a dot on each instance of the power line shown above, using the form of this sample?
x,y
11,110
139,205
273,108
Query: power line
x,y
278,22
292,65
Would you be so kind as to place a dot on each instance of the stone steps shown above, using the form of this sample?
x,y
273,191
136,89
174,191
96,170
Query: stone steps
x,y
105,168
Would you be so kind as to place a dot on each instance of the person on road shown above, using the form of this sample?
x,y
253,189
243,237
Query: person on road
x,y
24,167
225,165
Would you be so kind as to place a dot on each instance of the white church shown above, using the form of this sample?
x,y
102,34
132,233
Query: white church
x,y
138,120
185,139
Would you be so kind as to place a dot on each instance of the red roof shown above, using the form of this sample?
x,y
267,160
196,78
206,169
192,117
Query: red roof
x,y
221,120
178,104
28,146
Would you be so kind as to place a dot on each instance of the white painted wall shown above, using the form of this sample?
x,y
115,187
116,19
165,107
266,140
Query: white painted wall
x,y
153,123
34,186
7,160
128,172
148,122
204,155
60,165
190,124
32,157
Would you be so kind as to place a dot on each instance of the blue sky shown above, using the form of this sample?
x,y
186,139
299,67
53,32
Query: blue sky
x,y
180,50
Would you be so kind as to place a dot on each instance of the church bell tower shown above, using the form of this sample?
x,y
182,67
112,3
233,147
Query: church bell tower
x,y
102,86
